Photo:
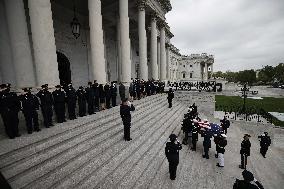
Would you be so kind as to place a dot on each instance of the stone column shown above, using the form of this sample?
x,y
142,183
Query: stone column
x,y
142,42
6,63
168,55
158,59
206,72
153,57
125,42
118,31
163,54
98,67
43,42
20,45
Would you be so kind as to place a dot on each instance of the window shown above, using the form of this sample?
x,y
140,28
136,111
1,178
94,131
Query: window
x,y
190,75
183,75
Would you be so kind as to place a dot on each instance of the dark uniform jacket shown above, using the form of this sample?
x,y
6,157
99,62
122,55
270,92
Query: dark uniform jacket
x,y
9,103
113,90
29,103
45,98
172,151
221,145
122,90
71,95
241,184
58,97
265,141
245,147
125,113
90,94
170,95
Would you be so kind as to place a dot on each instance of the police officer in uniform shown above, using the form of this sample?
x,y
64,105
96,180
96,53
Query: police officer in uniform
x,y
113,90
90,98
96,96
194,137
108,95
245,151
225,123
172,154
206,144
71,98
81,94
30,105
125,108
46,102
59,97
170,97
10,106
265,142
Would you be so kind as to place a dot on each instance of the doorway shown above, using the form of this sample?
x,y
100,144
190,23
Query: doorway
x,y
64,69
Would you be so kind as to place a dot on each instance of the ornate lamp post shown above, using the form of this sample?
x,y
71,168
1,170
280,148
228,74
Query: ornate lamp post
x,y
244,94
75,25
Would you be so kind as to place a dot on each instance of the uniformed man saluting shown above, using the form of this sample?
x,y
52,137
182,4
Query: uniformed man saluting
x,y
170,97
172,154
30,105
125,114
59,97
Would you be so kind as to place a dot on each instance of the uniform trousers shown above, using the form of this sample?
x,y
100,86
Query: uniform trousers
x,y
31,121
11,123
173,169
47,114
126,131
221,159
244,160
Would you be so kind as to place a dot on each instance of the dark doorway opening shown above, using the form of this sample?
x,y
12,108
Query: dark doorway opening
x,y
64,69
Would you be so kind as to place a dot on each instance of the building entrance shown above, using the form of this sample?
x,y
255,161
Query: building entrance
x,y
64,69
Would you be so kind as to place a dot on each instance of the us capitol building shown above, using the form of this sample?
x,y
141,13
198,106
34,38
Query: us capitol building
x,y
63,41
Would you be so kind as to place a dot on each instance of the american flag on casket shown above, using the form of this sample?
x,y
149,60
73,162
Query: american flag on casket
x,y
212,128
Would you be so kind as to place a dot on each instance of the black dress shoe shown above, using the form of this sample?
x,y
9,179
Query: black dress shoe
x,y
219,165
241,167
203,156
129,139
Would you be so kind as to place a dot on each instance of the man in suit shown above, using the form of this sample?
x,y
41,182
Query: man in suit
x,y
125,108
172,154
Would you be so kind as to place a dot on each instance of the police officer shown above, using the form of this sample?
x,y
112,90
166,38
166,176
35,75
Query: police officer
x,y
108,95
59,97
71,98
96,96
81,95
30,105
46,102
265,142
90,98
10,106
172,154
125,114
148,88
225,123
221,150
113,90
194,138
245,151
170,97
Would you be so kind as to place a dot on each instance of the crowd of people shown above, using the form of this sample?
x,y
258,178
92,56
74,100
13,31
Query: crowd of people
x,y
86,100
192,126
199,85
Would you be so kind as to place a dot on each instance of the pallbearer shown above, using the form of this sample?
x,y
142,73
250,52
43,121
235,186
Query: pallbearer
x,y
29,106
172,154
221,150
46,102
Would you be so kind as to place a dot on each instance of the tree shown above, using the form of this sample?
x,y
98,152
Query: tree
x,y
279,73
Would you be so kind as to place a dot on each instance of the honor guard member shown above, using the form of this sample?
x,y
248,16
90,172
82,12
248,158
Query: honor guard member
x,y
125,108
121,91
265,142
90,98
71,98
245,151
59,98
81,95
10,106
108,95
187,128
249,182
46,102
172,153
194,137
225,123
113,90
206,144
221,150
29,106
170,97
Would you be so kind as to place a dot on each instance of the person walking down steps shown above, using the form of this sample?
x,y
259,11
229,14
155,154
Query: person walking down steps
x,y
125,108
172,154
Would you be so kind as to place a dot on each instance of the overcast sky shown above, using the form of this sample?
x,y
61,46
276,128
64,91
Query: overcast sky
x,y
241,34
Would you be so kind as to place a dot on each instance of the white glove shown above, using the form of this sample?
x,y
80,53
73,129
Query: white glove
x,y
128,103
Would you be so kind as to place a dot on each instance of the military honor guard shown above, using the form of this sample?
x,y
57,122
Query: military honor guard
x,y
46,102
125,108
221,150
172,153
30,106
245,151
265,142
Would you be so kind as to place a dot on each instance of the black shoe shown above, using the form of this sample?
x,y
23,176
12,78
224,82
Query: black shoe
x,y
47,127
12,137
30,132
51,125
18,135
129,139
193,149
219,165
203,156
241,167
207,157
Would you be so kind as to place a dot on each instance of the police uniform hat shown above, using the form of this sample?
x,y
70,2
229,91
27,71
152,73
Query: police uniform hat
x,y
248,176
3,86
247,135
265,133
26,89
58,86
81,87
124,100
173,137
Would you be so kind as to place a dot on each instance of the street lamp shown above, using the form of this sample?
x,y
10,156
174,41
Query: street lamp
x,y
244,94
75,25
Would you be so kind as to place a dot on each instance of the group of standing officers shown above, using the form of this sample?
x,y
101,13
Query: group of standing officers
x,y
201,86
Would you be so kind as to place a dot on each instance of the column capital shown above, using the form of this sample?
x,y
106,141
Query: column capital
x,y
154,16
141,4
161,23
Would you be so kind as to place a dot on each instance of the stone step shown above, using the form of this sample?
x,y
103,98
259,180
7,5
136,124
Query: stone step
x,y
96,162
73,131
50,164
24,142
76,145
146,162
95,178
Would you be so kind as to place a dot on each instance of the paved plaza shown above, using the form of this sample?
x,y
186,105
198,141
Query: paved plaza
x,y
90,152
